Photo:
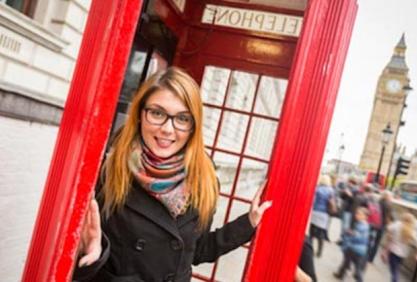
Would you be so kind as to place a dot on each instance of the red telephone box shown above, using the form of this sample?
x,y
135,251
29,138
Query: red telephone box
x,y
269,93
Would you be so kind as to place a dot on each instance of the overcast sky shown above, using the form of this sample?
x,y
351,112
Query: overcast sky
x,y
378,28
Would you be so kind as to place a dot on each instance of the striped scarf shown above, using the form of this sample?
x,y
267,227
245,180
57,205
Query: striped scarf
x,y
161,178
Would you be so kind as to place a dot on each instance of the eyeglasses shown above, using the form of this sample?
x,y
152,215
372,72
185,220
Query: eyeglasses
x,y
181,122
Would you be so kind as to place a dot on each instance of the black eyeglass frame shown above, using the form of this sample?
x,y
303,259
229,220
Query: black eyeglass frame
x,y
168,117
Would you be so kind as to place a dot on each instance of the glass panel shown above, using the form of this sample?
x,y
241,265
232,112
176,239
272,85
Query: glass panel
x,y
214,85
232,132
238,208
231,266
242,91
252,175
219,216
218,221
133,74
210,122
226,170
270,96
261,138
157,63
202,269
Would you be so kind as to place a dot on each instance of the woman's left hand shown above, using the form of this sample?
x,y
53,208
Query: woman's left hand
x,y
257,210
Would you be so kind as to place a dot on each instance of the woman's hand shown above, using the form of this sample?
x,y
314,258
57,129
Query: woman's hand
x,y
90,245
256,211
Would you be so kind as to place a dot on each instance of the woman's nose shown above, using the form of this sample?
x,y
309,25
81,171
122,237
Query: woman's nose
x,y
168,126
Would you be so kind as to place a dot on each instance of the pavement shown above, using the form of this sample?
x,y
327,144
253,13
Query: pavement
x,y
332,257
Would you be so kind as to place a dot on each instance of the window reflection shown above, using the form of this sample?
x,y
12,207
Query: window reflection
x,y
270,96
242,91
261,130
214,85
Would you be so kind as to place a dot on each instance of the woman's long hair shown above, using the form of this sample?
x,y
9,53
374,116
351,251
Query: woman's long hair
x,y
407,228
201,177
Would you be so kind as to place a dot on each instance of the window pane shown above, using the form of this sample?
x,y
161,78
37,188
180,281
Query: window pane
x,y
218,221
219,216
242,91
226,170
270,96
214,85
210,122
238,208
261,138
202,269
232,131
252,175
231,266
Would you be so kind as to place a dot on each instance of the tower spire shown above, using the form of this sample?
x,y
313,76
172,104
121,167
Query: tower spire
x,y
398,58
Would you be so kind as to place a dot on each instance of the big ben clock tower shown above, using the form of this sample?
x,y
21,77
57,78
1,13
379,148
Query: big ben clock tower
x,y
389,103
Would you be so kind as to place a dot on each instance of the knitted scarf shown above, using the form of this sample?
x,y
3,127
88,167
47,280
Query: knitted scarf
x,y
161,178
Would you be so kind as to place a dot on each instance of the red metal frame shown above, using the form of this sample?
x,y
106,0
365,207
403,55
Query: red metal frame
x,y
302,136
81,139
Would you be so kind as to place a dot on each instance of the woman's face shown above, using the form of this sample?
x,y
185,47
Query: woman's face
x,y
164,140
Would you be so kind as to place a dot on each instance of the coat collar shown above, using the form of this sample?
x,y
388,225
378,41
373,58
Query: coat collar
x,y
140,201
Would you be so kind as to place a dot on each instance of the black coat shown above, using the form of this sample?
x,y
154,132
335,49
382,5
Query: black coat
x,y
142,242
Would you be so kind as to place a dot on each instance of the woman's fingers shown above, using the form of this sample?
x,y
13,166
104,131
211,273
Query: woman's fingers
x,y
94,215
256,210
258,194
262,208
89,258
91,236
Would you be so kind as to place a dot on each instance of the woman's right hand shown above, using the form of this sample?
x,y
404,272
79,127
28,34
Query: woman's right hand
x,y
90,245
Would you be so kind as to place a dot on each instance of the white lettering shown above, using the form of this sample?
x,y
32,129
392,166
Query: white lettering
x,y
234,20
274,23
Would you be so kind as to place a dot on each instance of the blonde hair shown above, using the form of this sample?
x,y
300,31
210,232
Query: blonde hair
x,y
201,177
407,227
325,180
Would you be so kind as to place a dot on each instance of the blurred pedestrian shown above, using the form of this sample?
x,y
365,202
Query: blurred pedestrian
x,y
355,245
400,236
385,205
324,202
347,194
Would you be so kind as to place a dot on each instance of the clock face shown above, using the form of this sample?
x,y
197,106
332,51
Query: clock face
x,y
393,85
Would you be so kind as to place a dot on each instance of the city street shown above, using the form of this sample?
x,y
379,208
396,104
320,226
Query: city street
x,y
332,257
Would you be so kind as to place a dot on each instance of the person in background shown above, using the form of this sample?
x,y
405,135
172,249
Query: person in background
x,y
347,194
159,193
361,199
400,236
385,205
355,245
323,198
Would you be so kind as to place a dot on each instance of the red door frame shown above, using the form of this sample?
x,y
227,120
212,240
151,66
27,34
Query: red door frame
x,y
85,126
301,138
80,144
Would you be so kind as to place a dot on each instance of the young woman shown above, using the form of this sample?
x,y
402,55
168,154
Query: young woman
x,y
401,235
159,193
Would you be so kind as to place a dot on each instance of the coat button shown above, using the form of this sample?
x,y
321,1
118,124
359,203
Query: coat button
x,y
176,245
140,245
169,277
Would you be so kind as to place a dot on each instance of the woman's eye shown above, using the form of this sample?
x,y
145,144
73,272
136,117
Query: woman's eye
x,y
157,113
184,118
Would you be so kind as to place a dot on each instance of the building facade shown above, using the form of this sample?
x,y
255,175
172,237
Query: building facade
x,y
389,103
39,43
